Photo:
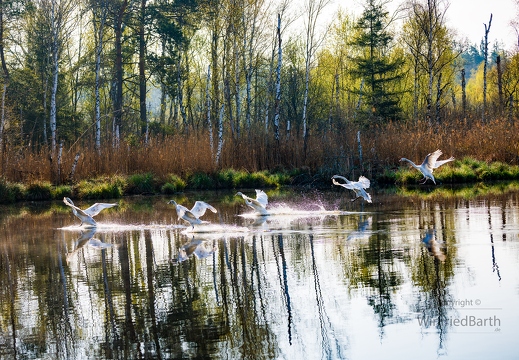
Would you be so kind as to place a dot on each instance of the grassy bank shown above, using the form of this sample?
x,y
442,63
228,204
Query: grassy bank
x,y
464,171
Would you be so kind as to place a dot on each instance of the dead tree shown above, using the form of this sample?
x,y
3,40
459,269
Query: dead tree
x,y
485,54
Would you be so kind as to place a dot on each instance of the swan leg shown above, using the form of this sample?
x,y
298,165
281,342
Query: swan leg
x,y
352,200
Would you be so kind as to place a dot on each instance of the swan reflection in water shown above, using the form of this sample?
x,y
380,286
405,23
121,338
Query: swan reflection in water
x,y
199,247
432,245
87,238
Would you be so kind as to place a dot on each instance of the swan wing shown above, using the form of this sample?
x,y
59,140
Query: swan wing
x,y
262,198
81,215
441,162
363,193
364,182
97,208
430,160
200,207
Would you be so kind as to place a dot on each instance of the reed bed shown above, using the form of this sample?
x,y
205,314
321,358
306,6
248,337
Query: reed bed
x,y
333,151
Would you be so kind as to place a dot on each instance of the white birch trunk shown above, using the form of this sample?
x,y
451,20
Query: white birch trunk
x,y
278,84
485,54
208,105
220,136
55,72
99,51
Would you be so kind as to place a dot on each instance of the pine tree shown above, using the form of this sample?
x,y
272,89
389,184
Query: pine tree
x,y
375,65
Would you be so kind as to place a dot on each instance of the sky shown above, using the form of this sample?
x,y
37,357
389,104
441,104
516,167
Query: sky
x,y
467,17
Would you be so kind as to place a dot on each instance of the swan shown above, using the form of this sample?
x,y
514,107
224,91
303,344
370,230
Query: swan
x,y
87,216
429,164
192,216
357,186
259,204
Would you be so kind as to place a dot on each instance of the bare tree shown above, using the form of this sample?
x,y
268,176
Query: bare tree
x,y
432,49
485,58
312,41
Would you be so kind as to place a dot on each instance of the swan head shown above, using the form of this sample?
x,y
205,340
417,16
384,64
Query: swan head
x,y
172,202
239,193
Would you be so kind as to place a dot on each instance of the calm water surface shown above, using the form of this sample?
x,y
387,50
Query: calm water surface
x,y
323,278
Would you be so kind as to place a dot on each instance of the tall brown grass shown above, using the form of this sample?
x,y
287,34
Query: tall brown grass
x,y
333,151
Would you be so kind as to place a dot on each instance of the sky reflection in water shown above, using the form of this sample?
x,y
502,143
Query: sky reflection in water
x,y
400,278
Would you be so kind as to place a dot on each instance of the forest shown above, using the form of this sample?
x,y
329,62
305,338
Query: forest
x,y
103,87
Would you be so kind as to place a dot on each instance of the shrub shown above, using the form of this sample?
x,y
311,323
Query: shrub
x,y
141,184
100,188
39,190
173,184
201,181
11,192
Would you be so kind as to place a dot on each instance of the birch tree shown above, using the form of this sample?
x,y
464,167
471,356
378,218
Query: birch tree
x,y
313,40
58,13
99,10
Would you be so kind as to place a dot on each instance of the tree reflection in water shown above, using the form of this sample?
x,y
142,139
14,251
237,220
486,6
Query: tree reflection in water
x,y
285,289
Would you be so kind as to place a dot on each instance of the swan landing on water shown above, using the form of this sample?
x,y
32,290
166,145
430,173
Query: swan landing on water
x,y
193,216
259,204
429,164
86,216
357,186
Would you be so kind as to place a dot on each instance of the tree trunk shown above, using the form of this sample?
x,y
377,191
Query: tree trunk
x,y
97,85
463,95
118,94
485,54
499,83
142,75
208,105
278,84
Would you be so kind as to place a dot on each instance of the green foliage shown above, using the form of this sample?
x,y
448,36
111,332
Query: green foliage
x,y
200,181
373,64
40,190
11,192
141,184
100,188
60,191
173,184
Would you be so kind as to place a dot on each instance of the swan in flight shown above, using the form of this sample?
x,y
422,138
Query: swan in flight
x,y
429,164
192,216
87,216
259,204
357,186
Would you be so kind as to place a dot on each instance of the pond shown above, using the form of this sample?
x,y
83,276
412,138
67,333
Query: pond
x,y
321,278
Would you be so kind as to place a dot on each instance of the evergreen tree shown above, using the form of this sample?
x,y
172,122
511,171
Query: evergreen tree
x,y
376,67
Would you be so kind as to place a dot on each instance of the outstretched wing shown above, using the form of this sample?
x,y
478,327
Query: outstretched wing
x,y
83,216
262,198
363,193
364,182
347,185
200,207
441,162
97,207
430,160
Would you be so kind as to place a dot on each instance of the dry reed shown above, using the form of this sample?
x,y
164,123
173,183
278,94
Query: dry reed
x,y
335,151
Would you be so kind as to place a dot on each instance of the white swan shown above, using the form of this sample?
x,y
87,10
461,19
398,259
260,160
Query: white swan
x,y
192,216
87,216
259,204
357,186
429,164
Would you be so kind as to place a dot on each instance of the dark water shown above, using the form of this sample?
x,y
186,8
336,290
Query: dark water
x,y
401,278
